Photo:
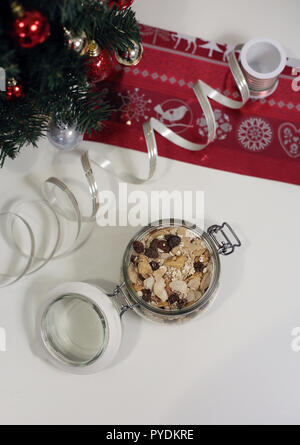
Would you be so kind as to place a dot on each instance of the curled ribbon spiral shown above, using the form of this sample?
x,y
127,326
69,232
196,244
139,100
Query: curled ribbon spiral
x,y
203,93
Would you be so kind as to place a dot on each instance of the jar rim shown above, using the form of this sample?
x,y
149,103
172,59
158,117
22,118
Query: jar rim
x,y
173,222
57,354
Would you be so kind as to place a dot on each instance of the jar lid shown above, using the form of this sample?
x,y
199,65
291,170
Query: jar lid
x,y
78,328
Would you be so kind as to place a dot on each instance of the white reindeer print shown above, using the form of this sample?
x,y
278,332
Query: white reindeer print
x,y
229,49
191,41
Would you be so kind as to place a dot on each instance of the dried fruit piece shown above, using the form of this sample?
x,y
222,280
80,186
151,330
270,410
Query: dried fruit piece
x,y
154,243
140,277
164,246
138,246
177,262
146,295
198,266
154,265
173,241
173,298
181,303
151,252
133,259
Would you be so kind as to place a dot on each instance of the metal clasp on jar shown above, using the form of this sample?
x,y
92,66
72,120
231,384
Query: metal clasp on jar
x,y
119,290
226,245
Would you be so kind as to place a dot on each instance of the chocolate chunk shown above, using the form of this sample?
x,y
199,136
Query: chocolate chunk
x,y
151,252
198,266
154,265
164,246
181,303
141,277
174,241
138,246
173,298
146,294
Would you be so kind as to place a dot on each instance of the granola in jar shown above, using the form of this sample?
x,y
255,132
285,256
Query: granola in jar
x,y
170,268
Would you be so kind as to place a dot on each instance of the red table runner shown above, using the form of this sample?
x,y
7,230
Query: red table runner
x,y
262,139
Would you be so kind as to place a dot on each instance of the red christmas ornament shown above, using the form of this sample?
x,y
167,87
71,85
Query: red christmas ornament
x,y
122,4
100,64
30,28
14,90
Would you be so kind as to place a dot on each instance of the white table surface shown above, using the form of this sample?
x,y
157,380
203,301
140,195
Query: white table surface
x,y
233,365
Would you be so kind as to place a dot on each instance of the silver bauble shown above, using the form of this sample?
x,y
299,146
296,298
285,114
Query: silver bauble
x,y
64,136
132,56
77,43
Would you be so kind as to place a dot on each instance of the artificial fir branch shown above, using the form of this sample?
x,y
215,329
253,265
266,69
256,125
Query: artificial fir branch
x,y
52,74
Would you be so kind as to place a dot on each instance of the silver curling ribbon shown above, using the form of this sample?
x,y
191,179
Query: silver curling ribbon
x,y
203,93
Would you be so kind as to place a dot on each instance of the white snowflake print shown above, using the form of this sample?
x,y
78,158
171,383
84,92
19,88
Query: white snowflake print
x,y
135,104
255,134
224,126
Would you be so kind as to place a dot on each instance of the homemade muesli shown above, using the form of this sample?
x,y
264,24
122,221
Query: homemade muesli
x,y
170,268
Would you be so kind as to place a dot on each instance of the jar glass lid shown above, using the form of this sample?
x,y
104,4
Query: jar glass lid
x,y
79,328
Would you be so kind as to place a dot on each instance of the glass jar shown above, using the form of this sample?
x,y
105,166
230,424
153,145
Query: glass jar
x,y
79,327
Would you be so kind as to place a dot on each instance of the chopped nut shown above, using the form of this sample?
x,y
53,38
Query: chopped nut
x,y
137,287
144,267
177,262
205,257
160,272
132,273
159,289
205,282
149,283
195,275
194,283
181,231
190,296
178,286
